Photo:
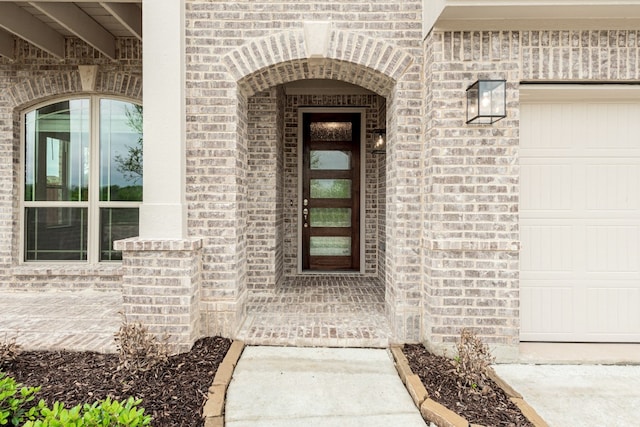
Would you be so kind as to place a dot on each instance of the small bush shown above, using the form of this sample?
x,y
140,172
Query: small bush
x,y
139,350
15,401
473,361
17,409
9,351
111,413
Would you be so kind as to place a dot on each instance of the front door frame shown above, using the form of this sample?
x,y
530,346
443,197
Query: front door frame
x,y
363,187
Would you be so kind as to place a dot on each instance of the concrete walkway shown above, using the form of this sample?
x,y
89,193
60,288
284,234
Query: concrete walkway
x,y
288,386
578,395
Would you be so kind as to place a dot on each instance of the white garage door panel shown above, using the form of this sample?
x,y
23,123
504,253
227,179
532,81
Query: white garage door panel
x,y
549,310
549,250
613,249
541,175
602,320
580,221
580,312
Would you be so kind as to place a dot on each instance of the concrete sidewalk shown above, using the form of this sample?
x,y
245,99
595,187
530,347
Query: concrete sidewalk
x,y
289,386
578,395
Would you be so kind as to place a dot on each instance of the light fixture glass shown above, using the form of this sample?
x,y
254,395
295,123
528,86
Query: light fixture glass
x,y
379,141
486,101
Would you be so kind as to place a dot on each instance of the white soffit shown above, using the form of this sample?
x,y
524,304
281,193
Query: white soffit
x,y
46,23
534,93
535,14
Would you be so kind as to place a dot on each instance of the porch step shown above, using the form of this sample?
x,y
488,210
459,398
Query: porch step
x,y
319,312
315,331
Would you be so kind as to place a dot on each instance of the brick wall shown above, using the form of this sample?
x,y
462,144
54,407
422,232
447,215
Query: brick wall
x,y
161,288
33,77
381,204
238,49
273,182
265,204
445,239
471,242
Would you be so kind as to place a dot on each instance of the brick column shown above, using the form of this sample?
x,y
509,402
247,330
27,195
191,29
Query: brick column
x,y
161,287
471,243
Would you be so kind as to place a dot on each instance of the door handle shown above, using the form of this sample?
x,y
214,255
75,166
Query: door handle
x,y
305,213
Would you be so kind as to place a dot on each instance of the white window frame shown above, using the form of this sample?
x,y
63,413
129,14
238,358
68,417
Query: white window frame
x,y
93,205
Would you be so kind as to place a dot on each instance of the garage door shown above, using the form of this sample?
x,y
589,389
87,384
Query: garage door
x,y
580,214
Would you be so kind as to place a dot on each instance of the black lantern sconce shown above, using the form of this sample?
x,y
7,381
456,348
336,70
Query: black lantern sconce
x,y
379,141
486,101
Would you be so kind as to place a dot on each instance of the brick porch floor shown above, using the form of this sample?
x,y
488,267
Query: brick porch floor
x,y
53,320
305,311
332,311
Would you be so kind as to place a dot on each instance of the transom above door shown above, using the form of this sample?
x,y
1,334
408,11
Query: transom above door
x,y
330,208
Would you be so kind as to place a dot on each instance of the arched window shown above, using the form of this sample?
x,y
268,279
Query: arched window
x,y
82,181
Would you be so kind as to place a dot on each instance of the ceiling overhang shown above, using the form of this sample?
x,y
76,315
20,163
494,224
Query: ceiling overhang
x,y
46,24
530,14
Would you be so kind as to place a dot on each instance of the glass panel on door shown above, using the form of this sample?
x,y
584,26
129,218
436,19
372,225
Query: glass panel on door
x,y
330,246
330,188
330,160
331,131
330,217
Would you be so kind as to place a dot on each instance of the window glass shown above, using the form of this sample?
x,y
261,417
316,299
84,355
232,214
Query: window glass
x,y
116,224
57,152
55,234
72,155
120,151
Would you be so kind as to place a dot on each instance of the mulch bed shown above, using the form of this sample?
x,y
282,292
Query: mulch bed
x,y
172,394
175,393
439,378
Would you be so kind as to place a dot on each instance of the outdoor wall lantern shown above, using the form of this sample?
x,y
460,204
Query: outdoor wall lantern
x,y
486,101
379,141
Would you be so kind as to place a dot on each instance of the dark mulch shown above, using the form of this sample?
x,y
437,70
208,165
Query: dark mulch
x,y
438,376
172,394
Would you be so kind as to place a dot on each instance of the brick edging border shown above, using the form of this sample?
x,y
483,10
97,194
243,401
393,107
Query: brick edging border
x,y
213,411
434,412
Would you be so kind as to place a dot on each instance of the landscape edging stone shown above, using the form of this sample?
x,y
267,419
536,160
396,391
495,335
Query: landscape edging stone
x,y
438,414
213,411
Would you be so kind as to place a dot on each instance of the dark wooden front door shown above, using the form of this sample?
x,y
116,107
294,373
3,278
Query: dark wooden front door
x,y
331,192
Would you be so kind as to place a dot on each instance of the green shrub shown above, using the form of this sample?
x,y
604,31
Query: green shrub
x,y
17,409
106,413
15,401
